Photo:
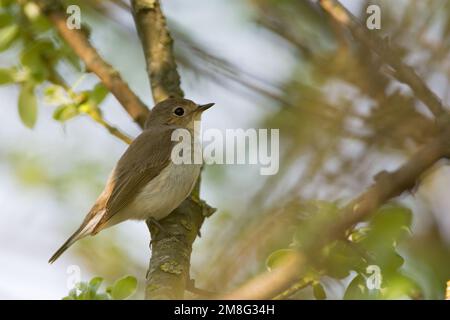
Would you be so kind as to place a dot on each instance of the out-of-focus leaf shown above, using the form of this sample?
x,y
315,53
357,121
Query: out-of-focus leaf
x,y
98,94
341,258
6,19
95,283
390,223
7,3
102,296
319,291
357,290
7,76
65,112
28,105
39,57
124,288
399,286
7,36
385,229
278,257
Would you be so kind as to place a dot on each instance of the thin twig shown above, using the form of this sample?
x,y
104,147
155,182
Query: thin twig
x,y
113,130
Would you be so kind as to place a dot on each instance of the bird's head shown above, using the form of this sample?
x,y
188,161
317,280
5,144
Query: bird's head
x,y
176,111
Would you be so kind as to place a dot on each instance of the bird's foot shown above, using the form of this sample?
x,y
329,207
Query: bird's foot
x,y
153,223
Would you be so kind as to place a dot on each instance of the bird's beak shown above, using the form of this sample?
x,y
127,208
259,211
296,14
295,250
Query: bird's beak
x,y
204,107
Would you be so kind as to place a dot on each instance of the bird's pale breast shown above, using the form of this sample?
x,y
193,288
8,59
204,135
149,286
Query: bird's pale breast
x,y
164,193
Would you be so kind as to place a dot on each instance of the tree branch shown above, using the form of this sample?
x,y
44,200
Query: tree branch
x,y
158,49
387,53
168,273
110,77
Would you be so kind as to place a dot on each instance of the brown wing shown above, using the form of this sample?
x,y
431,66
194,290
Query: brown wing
x,y
145,158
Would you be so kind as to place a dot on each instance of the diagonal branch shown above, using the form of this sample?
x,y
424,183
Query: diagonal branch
x,y
168,273
110,77
387,53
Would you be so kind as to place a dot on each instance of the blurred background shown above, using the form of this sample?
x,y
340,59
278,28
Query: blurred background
x,y
266,64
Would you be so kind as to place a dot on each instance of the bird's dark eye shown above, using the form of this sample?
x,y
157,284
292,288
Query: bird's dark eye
x,y
179,111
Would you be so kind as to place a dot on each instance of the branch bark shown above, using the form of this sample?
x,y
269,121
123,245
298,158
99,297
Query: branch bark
x,y
168,273
79,42
158,49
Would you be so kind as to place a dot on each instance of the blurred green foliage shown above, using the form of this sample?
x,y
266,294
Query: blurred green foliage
x,y
121,289
373,243
24,28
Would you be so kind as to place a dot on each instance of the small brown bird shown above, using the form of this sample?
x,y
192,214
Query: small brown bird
x,y
146,183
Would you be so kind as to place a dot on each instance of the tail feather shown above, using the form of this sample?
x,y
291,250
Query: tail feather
x,y
88,227
73,238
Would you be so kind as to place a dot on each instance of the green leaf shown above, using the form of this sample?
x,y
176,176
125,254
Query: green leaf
x,y
72,295
386,228
6,19
357,290
39,58
319,291
28,105
7,76
109,289
277,258
341,258
95,283
65,112
400,286
98,94
102,296
7,3
7,36
391,223
124,288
